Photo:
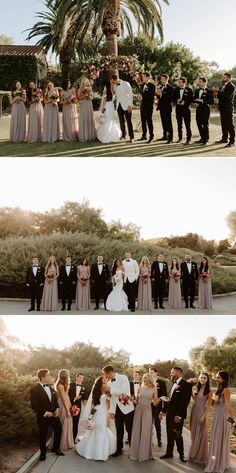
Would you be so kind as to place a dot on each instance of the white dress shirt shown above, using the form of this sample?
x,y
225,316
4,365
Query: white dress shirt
x,y
181,93
161,266
174,386
68,270
189,266
35,269
47,391
100,266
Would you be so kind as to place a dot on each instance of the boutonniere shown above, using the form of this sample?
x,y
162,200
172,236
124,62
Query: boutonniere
x,y
193,266
72,267
39,268
178,387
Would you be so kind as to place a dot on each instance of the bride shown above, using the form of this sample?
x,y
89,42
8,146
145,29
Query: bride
x,y
108,131
117,299
99,442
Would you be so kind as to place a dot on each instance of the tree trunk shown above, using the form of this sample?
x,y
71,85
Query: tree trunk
x,y
111,26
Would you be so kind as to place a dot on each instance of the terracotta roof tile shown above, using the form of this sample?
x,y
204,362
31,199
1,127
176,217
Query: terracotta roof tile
x,y
15,50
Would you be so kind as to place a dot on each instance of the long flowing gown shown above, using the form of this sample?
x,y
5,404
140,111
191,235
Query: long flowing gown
x,y
145,290
219,448
100,442
67,440
87,130
18,122
204,293
174,295
51,126
50,291
70,118
109,131
117,299
82,300
141,440
35,128
198,450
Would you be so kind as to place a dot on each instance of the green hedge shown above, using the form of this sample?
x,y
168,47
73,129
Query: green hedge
x,y
16,255
19,68
5,99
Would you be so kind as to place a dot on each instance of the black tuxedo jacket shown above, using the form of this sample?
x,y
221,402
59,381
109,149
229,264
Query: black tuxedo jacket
x,y
207,97
185,275
65,280
155,271
132,387
180,399
226,97
148,92
40,402
167,97
35,280
96,276
72,395
187,96
161,391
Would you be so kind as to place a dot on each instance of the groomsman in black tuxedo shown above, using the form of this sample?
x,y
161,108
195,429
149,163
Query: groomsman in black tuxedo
x,y
148,91
161,391
165,96
77,395
159,274
183,97
135,384
176,412
67,282
44,403
100,277
35,281
203,97
189,275
226,95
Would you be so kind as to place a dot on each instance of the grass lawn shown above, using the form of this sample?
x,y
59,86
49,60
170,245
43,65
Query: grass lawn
x,y
122,149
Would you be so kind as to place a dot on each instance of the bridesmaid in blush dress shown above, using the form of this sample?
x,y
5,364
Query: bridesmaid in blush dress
x,y
141,440
86,121
51,127
50,289
18,113
219,448
204,287
34,101
198,450
68,100
145,287
174,295
61,387
82,301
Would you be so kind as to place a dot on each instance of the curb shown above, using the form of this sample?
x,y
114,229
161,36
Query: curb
x,y
32,461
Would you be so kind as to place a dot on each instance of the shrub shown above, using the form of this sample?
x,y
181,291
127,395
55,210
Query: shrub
x,y
5,99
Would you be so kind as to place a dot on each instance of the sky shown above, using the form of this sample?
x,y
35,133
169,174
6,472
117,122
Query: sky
x,y
147,338
206,27
163,196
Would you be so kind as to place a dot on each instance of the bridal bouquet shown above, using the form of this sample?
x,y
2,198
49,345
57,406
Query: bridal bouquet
x,y
89,424
145,277
75,411
36,94
175,276
100,119
72,99
54,96
124,399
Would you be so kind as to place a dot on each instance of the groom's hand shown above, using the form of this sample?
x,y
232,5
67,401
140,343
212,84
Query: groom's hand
x,y
129,109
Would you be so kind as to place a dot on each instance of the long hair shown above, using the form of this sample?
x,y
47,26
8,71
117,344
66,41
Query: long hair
x,y
87,262
207,385
225,376
149,379
49,264
114,266
172,264
97,391
142,262
63,378
29,92
108,91
202,265
14,86
65,84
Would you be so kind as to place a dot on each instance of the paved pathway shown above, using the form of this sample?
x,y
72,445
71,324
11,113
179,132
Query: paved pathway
x,y
222,305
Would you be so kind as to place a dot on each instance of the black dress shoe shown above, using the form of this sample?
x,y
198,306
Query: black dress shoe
x,y
219,142
179,140
122,138
229,145
162,139
31,309
159,443
58,453
63,308
150,140
69,308
182,459
192,306
42,458
163,457
162,307
117,454
131,140
187,142
96,308
156,306
168,142
199,141
186,306
132,310
143,138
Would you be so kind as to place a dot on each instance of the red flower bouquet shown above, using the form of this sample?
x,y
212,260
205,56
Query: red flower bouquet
x,y
124,399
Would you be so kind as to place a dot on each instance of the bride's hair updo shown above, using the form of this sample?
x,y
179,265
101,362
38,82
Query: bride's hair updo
x,y
97,391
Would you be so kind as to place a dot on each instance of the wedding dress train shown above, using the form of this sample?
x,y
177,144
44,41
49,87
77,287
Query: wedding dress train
x,y
117,299
109,131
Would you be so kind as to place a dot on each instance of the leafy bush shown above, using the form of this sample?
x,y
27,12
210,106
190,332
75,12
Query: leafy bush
x,y
19,68
5,99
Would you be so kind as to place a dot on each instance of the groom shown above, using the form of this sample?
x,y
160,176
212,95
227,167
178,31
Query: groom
x,y
123,91
121,405
131,275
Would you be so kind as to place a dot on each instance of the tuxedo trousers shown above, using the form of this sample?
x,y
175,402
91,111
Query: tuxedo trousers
x,y
227,125
44,423
183,114
202,119
159,289
156,420
189,290
146,112
166,121
75,420
130,289
100,292
67,294
125,115
123,421
174,434
35,295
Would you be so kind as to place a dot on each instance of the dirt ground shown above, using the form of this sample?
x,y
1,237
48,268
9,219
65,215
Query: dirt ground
x,y
14,455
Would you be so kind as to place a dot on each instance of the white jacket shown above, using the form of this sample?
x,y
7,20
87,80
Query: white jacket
x,y
120,386
124,94
131,270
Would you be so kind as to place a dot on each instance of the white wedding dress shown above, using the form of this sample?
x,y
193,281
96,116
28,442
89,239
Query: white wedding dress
x,y
117,299
100,442
109,131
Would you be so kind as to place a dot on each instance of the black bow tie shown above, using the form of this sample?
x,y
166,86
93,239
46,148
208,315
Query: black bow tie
x,y
118,84
99,263
136,382
35,266
68,265
44,385
78,385
128,260
114,379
